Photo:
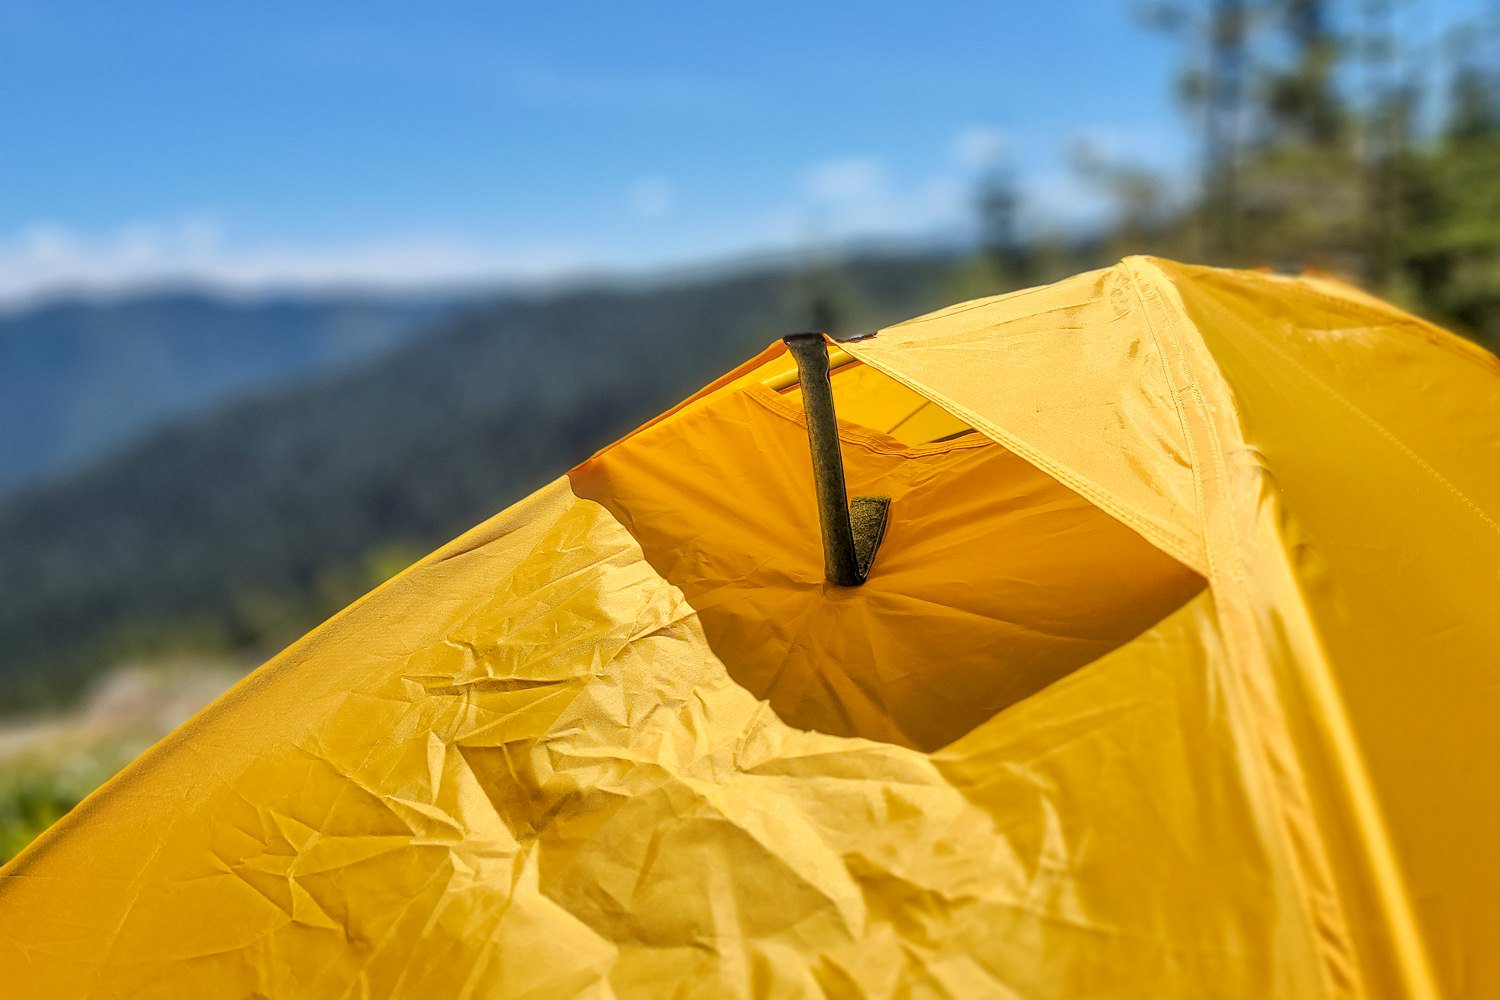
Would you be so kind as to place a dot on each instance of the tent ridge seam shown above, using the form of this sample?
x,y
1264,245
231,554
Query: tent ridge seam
x,y
1281,770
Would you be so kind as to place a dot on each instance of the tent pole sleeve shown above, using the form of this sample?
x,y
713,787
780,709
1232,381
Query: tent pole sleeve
x,y
842,562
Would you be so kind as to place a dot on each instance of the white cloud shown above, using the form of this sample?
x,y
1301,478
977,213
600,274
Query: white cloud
x,y
849,181
1061,199
652,198
981,146
851,197
1079,194
1106,142
1142,144
861,196
944,197
49,258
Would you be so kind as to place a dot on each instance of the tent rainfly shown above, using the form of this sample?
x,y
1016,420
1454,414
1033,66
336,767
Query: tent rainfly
x,y
1176,673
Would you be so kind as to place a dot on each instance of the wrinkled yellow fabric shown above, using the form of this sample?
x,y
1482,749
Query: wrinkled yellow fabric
x,y
1345,460
522,768
1386,587
995,579
547,785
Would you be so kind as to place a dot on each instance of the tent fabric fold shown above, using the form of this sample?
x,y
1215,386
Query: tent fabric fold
x,y
1177,674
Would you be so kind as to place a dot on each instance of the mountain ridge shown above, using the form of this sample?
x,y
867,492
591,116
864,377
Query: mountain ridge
x,y
243,527
81,375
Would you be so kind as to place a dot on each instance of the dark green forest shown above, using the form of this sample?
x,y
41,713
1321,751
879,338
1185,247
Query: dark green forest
x,y
243,528
80,375
1328,139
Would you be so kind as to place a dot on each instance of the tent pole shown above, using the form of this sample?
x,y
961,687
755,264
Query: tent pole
x,y
851,533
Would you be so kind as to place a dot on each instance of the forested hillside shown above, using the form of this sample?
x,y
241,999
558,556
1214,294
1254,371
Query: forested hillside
x,y
240,530
79,376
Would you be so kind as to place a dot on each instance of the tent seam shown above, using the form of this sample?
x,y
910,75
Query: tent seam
x,y
1460,347
1380,428
1229,563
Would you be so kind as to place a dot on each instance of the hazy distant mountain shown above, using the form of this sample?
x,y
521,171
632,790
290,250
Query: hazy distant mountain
x,y
244,528
77,377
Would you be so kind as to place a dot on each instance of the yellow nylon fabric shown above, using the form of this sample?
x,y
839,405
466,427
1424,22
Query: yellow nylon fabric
x,y
866,398
1395,573
569,795
537,762
1068,377
1346,461
995,579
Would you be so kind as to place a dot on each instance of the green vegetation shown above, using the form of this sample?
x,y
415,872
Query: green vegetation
x,y
49,763
239,530
1329,139
78,376
30,802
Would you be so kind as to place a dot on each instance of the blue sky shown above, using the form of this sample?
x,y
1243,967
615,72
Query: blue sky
x,y
398,144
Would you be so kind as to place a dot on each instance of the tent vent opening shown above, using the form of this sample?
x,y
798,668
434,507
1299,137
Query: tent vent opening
x,y
991,582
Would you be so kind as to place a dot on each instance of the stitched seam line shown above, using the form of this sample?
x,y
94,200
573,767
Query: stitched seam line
x,y
1234,569
1433,334
1379,428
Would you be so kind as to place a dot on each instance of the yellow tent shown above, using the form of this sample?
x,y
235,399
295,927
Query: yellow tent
x,y
1177,673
